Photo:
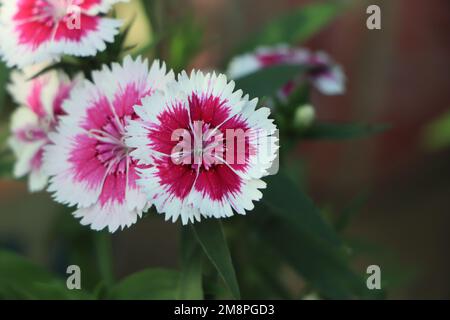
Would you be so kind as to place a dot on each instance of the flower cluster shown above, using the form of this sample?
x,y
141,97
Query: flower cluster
x,y
89,162
112,146
40,104
135,136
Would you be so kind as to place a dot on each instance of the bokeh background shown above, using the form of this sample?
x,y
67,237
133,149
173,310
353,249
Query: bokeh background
x,y
398,75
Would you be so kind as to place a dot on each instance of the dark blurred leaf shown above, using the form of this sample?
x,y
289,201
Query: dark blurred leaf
x,y
210,235
342,131
296,26
394,273
299,97
324,267
6,165
350,211
191,266
4,74
288,202
267,81
21,279
6,155
295,230
70,243
150,284
55,66
258,268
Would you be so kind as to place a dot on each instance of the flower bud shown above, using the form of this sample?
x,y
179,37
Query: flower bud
x,y
304,116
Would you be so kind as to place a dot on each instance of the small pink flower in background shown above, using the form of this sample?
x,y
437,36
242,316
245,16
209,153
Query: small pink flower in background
x,y
188,179
89,164
322,72
40,105
34,31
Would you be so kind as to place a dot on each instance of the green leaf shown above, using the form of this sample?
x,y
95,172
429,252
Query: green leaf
x,y
437,134
6,155
351,211
342,131
150,284
296,26
324,267
211,237
191,266
267,81
19,274
288,202
4,74
21,279
295,229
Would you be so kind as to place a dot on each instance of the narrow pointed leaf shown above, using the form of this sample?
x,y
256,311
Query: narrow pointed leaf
x,y
287,201
210,235
191,266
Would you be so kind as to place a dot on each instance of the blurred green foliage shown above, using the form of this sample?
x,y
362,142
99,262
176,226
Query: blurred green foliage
x,y
437,134
4,74
21,279
296,26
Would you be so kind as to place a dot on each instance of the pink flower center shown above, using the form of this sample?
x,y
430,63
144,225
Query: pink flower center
x,y
201,146
51,12
111,149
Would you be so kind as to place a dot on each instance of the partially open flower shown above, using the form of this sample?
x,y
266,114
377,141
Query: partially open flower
x,y
319,69
89,164
34,31
40,105
206,148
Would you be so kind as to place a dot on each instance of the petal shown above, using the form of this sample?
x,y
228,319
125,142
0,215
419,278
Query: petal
x,y
37,181
27,40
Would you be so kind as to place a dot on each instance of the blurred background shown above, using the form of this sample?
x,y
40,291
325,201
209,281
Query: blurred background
x,y
398,75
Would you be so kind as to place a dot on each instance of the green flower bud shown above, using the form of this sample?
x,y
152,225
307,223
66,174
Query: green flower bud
x,y
304,116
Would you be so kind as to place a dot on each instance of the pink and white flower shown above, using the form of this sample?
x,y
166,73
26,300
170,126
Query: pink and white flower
x,y
34,31
40,106
88,162
321,71
205,147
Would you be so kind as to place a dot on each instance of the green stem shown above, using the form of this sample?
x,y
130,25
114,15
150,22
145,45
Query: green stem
x,y
104,258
